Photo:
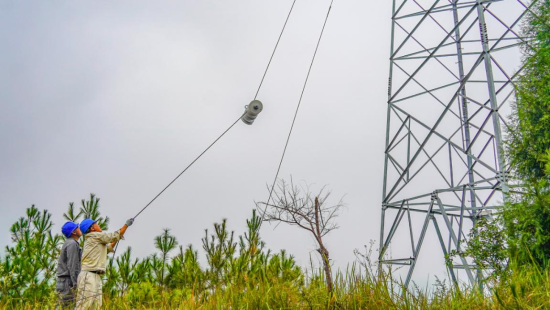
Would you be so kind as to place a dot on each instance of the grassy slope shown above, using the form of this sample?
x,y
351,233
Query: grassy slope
x,y
527,289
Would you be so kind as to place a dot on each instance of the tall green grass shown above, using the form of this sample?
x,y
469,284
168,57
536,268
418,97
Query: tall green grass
x,y
525,288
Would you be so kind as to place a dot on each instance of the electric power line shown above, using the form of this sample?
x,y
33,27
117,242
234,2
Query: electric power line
x,y
261,82
272,54
297,109
259,87
191,164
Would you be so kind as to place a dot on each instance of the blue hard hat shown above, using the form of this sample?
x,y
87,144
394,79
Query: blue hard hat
x,y
86,224
68,228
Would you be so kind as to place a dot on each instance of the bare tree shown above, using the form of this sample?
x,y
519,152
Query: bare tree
x,y
297,206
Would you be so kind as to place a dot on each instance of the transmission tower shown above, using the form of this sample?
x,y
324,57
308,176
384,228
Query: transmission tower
x,y
452,73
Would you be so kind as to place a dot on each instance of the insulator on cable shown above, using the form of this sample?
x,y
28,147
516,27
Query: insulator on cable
x,y
251,111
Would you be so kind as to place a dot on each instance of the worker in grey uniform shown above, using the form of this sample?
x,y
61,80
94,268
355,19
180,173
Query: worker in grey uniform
x,y
68,265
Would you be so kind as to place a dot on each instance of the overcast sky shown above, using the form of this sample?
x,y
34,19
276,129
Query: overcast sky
x,y
117,98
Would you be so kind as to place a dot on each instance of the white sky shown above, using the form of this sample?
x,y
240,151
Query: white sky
x,y
116,98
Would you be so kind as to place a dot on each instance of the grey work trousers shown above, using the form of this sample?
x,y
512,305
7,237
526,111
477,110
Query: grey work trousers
x,y
66,293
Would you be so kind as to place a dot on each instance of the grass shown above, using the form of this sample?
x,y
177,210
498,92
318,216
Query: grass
x,y
528,288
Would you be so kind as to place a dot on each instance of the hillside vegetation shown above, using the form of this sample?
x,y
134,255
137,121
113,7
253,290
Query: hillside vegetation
x,y
242,273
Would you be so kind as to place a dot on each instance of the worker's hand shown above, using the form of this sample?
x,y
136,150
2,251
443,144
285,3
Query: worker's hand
x,y
130,222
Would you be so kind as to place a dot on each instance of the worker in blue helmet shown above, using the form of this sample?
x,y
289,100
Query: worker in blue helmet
x,y
97,245
68,265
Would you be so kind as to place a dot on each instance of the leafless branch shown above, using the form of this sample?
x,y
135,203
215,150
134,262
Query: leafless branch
x,y
295,205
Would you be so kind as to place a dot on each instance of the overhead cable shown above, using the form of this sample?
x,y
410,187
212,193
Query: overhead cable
x,y
276,44
261,82
191,164
259,87
297,108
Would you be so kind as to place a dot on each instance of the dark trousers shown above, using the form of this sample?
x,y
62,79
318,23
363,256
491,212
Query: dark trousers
x,y
66,293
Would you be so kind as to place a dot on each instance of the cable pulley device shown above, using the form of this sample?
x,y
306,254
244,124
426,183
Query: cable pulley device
x,y
251,111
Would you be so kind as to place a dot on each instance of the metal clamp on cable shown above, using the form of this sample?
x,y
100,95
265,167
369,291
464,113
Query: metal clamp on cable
x,y
251,111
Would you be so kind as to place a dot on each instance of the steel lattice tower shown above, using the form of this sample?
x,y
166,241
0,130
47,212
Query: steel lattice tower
x,y
453,65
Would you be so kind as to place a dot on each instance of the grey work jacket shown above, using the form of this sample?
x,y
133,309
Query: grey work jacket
x,y
68,264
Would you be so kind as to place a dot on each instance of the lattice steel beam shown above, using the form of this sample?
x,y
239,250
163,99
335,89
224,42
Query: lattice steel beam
x,y
453,65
